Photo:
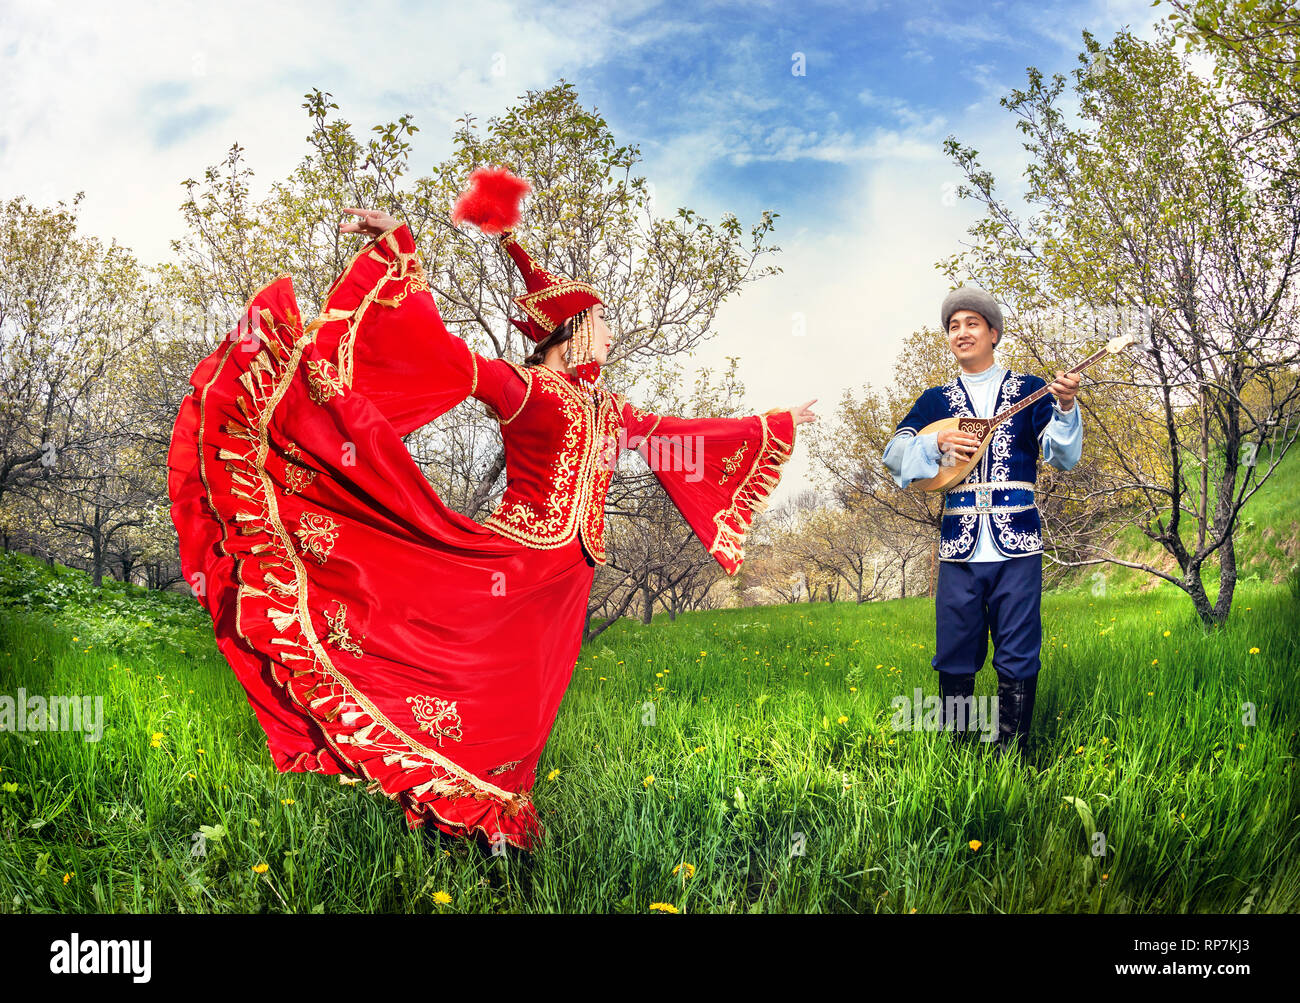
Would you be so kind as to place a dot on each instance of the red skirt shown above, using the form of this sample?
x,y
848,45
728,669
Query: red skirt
x,y
376,631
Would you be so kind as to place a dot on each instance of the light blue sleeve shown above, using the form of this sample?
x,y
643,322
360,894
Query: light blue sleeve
x,y
1063,438
912,457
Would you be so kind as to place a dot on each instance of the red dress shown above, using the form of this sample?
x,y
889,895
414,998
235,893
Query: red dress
x,y
376,631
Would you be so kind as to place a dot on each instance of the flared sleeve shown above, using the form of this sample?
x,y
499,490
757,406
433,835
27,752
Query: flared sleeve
x,y
385,339
718,472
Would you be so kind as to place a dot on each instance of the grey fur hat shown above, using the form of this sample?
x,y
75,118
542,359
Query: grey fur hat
x,y
973,298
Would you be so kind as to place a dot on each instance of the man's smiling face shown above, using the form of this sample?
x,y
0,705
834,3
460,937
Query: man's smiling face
x,y
971,340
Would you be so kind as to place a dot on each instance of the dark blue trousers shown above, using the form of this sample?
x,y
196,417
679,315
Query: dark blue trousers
x,y
976,598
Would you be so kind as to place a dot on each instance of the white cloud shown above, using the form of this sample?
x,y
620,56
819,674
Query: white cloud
x,y
125,103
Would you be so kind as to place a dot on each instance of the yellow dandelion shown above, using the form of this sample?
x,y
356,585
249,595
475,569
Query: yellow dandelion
x,y
441,897
659,675
663,906
1079,750
842,719
1155,661
261,868
690,869
974,844
699,748
553,774
68,877
648,780
853,689
1241,745
1104,877
201,752
1254,651
287,801
1167,633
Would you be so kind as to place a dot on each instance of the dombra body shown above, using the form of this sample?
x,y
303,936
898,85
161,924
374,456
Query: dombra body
x,y
951,472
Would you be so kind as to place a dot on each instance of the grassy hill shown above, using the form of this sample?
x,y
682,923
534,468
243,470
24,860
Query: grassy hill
x,y
773,768
1267,541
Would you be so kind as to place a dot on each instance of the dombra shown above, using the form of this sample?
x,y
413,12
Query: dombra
x,y
951,472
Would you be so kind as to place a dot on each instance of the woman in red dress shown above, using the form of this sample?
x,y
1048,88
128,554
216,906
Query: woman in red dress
x,y
377,632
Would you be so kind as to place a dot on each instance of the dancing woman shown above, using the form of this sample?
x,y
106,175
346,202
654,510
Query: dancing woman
x,y
377,632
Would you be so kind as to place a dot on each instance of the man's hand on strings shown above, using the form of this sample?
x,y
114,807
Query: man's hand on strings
x,y
371,222
962,445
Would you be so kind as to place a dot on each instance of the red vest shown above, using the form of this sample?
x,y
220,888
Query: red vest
x,y
562,446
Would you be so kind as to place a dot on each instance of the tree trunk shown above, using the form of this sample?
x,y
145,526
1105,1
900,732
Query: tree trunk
x,y
484,488
1227,581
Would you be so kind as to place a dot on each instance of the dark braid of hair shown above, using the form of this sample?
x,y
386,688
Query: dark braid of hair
x,y
562,333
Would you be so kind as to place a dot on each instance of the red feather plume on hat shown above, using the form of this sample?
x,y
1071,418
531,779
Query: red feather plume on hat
x,y
491,202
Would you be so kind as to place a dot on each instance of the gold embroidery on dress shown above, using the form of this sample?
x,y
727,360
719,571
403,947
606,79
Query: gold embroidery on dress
x,y
296,477
732,462
317,533
579,478
752,495
517,517
302,658
340,634
323,380
503,768
437,716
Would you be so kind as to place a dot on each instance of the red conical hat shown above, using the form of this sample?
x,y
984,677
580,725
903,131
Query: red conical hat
x,y
492,204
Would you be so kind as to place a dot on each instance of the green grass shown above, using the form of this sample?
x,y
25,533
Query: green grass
x,y
1198,811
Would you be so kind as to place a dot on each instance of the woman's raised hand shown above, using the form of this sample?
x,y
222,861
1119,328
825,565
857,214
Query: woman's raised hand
x,y
371,222
802,414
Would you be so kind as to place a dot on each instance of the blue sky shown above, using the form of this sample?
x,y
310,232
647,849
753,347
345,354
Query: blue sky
x,y
125,103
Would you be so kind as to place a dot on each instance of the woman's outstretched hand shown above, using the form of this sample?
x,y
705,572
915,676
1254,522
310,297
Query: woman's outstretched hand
x,y
802,414
372,222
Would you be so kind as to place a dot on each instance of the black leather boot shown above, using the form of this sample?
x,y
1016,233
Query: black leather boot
x,y
956,716
1015,712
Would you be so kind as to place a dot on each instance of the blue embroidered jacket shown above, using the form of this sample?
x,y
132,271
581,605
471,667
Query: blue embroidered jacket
x,y
997,497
